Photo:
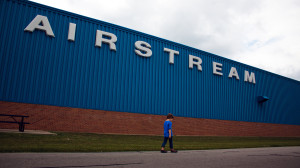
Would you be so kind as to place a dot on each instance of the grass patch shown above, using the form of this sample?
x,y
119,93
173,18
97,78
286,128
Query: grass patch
x,y
86,142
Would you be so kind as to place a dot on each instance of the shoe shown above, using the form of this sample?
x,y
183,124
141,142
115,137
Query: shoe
x,y
174,151
163,151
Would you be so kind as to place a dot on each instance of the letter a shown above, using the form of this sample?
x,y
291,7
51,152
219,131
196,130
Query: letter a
x,y
41,23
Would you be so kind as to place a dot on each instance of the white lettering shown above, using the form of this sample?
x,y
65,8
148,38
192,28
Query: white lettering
x,y
234,73
72,30
217,67
171,54
144,47
192,62
249,78
111,42
41,23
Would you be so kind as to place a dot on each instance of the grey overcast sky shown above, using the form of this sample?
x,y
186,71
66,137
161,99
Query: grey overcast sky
x,y
261,33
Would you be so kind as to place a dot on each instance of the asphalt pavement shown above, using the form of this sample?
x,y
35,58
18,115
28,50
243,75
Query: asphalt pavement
x,y
277,157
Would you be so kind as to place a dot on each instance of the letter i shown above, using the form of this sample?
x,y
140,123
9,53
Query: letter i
x,y
72,30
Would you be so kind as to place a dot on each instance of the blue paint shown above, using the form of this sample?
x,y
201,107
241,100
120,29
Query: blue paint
x,y
39,69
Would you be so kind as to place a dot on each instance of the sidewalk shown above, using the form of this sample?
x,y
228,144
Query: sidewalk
x,y
27,131
277,157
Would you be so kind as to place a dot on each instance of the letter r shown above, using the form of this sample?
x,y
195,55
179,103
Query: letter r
x,y
111,42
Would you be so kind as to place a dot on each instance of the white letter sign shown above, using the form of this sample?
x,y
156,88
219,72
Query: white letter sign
x,y
110,42
72,30
143,46
249,78
233,72
216,68
41,23
192,62
171,54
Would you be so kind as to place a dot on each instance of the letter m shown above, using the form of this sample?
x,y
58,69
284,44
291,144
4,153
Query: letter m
x,y
249,78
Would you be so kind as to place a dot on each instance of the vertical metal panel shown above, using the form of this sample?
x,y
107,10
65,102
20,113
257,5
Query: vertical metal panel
x,y
36,68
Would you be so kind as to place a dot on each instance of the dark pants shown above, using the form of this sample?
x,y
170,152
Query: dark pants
x,y
165,142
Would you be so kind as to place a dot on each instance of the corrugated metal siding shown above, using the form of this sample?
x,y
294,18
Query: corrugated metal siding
x,y
36,68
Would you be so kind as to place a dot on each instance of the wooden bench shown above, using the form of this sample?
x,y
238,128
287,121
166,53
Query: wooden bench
x,y
21,123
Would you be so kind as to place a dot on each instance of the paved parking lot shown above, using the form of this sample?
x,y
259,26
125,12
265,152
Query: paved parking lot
x,y
279,157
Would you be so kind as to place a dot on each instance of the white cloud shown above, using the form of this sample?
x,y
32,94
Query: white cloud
x,y
260,33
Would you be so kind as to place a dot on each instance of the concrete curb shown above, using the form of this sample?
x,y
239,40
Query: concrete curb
x,y
27,131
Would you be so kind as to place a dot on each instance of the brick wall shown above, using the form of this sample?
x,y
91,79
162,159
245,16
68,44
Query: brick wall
x,y
54,118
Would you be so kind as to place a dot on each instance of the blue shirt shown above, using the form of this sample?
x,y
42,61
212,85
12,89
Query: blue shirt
x,y
167,127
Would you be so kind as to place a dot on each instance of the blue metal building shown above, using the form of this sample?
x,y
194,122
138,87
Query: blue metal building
x,y
92,64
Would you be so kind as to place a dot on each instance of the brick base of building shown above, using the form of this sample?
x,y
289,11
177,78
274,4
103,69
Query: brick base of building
x,y
66,119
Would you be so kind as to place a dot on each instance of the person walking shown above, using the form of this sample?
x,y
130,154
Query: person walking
x,y
168,134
